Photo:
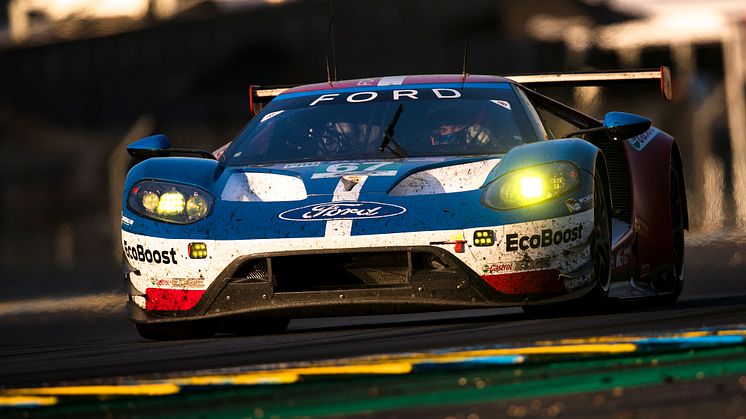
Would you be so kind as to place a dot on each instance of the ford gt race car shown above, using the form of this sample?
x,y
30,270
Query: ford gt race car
x,y
402,194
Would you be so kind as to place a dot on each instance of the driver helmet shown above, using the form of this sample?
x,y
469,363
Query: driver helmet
x,y
448,125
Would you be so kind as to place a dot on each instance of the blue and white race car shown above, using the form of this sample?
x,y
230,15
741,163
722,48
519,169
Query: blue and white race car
x,y
402,194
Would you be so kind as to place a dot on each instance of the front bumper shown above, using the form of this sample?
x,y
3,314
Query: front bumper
x,y
527,263
446,284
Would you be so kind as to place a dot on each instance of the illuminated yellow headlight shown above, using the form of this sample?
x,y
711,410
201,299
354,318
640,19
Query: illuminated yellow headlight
x,y
150,201
531,185
196,206
171,203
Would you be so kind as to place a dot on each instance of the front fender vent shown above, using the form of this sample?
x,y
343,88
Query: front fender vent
x,y
619,178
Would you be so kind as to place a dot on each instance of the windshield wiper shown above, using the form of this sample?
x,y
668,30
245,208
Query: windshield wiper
x,y
388,136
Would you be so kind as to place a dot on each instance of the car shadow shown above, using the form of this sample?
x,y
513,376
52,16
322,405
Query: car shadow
x,y
505,316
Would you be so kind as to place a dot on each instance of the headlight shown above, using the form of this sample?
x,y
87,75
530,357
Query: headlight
x,y
170,202
532,185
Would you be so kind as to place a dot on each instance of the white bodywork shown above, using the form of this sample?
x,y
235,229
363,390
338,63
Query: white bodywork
x,y
199,274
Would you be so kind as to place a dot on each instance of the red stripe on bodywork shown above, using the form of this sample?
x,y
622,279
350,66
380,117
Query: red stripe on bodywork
x,y
165,299
533,282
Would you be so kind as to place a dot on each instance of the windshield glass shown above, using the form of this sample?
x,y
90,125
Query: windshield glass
x,y
384,122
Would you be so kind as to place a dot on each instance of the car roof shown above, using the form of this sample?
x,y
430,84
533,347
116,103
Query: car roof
x,y
399,81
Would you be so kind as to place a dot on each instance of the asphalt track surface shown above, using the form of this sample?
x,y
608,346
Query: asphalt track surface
x,y
78,340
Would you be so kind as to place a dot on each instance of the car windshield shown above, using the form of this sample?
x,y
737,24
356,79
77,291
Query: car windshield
x,y
384,122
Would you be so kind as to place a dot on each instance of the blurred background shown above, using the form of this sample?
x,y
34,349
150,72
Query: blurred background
x,y
79,79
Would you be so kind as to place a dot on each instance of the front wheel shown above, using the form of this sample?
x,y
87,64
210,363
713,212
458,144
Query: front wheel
x,y
600,246
600,254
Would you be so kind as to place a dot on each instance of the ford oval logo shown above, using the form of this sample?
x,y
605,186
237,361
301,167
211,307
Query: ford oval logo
x,y
342,211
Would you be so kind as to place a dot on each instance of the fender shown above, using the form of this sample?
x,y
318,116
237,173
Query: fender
x,y
649,169
187,170
580,152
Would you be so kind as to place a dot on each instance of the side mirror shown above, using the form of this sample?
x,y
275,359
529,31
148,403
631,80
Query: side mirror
x,y
617,126
622,125
153,146
160,146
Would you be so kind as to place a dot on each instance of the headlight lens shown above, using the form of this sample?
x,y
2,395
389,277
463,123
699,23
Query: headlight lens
x,y
171,202
197,206
532,185
150,201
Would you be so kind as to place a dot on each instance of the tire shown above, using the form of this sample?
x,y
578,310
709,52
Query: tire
x,y
247,326
600,244
673,278
600,248
179,331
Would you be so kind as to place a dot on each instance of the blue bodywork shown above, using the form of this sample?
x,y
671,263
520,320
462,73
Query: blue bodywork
x,y
447,211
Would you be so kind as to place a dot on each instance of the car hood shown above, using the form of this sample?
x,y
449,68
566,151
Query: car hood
x,y
398,177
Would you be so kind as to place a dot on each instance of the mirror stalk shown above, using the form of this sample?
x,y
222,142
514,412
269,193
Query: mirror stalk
x,y
160,146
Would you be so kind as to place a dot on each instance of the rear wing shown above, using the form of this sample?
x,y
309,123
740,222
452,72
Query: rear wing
x,y
599,78
261,95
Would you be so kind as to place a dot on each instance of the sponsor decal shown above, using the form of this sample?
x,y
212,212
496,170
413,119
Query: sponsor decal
x,y
577,205
127,221
178,282
375,168
525,264
497,268
342,211
547,237
623,257
502,103
141,254
410,94
300,165
270,116
391,81
642,140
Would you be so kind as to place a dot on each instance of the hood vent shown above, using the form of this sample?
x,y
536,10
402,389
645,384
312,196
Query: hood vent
x,y
263,187
449,179
349,182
